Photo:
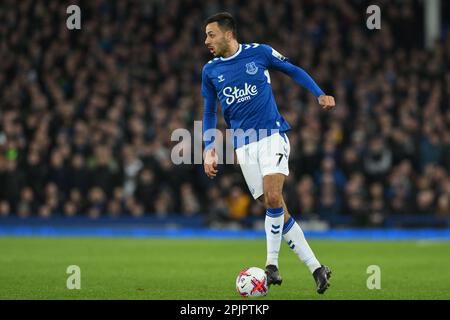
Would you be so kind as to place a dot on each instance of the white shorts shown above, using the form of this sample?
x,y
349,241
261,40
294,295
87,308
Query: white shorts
x,y
267,156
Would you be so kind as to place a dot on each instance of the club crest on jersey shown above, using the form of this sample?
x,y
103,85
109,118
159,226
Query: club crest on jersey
x,y
252,69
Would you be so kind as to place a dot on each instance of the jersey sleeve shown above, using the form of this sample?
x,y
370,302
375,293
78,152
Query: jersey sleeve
x,y
277,61
274,59
208,90
210,108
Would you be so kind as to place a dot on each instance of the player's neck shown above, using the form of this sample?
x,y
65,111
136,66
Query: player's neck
x,y
234,47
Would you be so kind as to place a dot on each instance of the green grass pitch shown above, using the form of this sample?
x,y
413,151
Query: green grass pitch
x,y
123,268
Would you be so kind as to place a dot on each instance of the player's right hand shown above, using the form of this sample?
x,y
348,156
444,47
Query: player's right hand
x,y
210,164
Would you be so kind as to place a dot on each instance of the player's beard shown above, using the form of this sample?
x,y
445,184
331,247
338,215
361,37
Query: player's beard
x,y
222,49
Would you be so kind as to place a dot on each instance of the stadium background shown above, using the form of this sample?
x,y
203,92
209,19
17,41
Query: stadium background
x,y
86,117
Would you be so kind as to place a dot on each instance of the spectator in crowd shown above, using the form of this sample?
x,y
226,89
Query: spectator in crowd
x,y
217,208
377,160
189,202
238,203
377,206
27,204
5,209
146,189
443,206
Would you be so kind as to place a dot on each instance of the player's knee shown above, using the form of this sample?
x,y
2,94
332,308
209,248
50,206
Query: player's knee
x,y
274,199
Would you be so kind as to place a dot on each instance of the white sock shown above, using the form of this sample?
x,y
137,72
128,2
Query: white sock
x,y
295,238
274,229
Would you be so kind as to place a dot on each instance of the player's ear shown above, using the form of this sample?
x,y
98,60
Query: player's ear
x,y
229,35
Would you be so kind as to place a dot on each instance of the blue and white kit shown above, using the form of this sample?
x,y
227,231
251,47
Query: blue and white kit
x,y
241,83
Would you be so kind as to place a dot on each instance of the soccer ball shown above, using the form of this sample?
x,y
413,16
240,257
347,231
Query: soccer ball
x,y
252,283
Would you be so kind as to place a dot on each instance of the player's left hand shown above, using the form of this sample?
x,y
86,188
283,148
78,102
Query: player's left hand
x,y
327,102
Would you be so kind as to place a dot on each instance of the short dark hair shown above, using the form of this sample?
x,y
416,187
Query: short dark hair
x,y
225,21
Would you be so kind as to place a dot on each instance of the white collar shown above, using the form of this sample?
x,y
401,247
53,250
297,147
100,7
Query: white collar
x,y
234,55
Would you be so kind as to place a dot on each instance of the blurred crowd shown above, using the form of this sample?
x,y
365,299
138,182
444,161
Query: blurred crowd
x,y
86,115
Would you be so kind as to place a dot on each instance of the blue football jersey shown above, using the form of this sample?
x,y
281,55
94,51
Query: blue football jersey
x,y
241,83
